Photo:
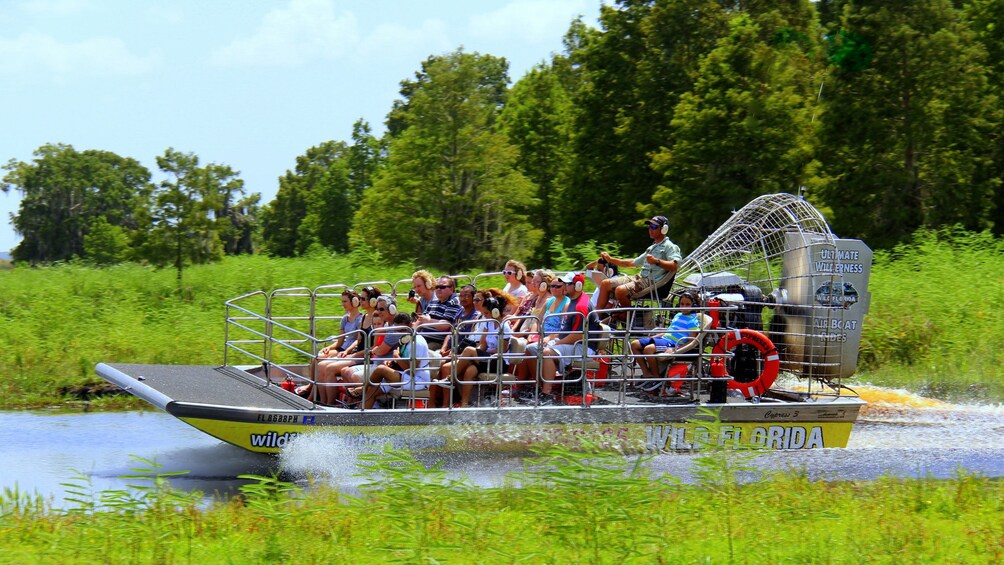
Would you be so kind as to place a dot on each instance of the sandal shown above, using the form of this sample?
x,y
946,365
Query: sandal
x,y
302,390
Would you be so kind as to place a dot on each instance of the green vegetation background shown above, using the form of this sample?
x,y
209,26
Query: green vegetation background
x,y
934,327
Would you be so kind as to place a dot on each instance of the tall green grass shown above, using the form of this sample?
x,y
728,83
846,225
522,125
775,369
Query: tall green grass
x,y
59,321
935,324
565,507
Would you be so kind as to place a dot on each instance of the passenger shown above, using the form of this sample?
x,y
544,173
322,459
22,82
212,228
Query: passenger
x,y
467,314
527,329
400,370
561,348
329,370
384,342
515,279
555,304
437,319
520,316
421,294
598,271
349,328
468,366
658,263
683,327
367,301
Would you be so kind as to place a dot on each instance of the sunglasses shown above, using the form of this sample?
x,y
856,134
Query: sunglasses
x,y
479,300
507,272
442,286
381,309
560,285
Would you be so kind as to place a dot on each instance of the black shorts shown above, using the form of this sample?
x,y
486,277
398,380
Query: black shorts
x,y
489,366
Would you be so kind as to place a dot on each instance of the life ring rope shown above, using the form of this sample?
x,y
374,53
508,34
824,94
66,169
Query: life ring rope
x,y
763,344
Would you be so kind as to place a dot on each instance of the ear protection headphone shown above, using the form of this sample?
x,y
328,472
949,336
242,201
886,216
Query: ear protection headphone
x,y
355,300
519,274
608,269
664,229
391,304
542,287
690,296
494,305
578,286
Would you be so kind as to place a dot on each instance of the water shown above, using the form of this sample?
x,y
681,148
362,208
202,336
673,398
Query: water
x,y
40,450
898,434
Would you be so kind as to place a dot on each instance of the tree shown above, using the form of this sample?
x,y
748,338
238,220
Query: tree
x,y
450,195
184,227
313,204
65,191
745,128
984,18
537,119
908,113
105,244
634,70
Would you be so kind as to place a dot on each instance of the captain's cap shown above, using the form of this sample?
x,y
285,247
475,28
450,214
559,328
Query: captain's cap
x,y
657,222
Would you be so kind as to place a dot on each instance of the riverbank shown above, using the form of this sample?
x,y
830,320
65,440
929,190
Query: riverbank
x,y
925,332
563,508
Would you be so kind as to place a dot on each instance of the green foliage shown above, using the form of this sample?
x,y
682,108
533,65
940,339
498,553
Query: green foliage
x,y
934,322
904,133
316,202
566,507
59,321
537,119
105,244
63,191
451,195
574,257
741,131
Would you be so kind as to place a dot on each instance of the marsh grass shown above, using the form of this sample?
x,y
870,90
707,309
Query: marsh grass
x,y
564,507
935,324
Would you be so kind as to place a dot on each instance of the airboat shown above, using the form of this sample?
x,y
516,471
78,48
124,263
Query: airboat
x,y
781,306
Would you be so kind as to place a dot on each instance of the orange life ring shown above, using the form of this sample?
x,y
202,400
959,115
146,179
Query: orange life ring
x,y
771,360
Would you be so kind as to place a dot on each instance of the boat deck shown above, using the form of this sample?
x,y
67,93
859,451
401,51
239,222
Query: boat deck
x,y
224,386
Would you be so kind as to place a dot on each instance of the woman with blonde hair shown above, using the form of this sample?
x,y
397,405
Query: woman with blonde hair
x,y
515,278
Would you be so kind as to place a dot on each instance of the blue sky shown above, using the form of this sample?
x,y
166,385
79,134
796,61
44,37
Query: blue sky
x,y
250,84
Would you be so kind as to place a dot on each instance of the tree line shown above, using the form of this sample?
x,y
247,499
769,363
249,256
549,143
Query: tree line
x,y
885,114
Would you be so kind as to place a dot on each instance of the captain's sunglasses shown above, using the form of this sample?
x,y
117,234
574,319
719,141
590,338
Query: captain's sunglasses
x,y
508,272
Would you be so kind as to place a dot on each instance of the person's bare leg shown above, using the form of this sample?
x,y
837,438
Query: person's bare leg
x,y
652,361
636,352
623,295
470,375
548,371
604,296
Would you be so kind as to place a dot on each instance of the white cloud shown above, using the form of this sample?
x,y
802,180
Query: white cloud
x,y
54,8
302,31
37,54
429,38
530,21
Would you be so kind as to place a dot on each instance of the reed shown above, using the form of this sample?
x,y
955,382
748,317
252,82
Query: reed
x,y
934,326
565,507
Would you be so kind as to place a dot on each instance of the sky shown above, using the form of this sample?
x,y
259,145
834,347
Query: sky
x,y
251,84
